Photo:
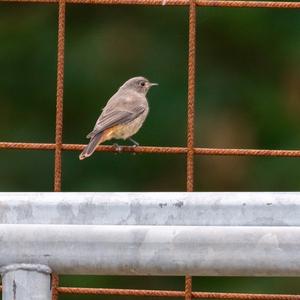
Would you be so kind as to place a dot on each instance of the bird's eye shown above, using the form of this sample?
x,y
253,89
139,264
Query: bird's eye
x,y
142,83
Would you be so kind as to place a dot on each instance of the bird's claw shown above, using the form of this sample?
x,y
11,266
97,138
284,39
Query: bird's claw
x,y
118,148
135,143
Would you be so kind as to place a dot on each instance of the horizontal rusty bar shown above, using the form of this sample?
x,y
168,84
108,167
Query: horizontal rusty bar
x,y
165,293
175,294
161,150
27,146
244,296
119,292
246,152
139,149
254,4
208,3
102,148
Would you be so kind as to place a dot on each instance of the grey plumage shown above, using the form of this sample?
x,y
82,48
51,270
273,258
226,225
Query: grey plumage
x,y
122,116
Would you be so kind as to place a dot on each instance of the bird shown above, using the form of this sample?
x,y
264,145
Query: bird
x,y
123,115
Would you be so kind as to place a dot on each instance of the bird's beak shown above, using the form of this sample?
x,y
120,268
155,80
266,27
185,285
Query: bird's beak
x,y
152,84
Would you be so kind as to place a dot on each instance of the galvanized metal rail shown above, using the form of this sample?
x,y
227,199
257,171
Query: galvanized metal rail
x,y
207,234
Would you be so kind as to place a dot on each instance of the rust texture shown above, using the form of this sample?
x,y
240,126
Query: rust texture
x,y
120,292
59,95
188,288
244,296
191,96
189,151
212,3
54,286
174,294
247,152
191,117
153,149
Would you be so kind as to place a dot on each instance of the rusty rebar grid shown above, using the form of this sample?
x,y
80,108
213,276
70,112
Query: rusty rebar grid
x,y
190,150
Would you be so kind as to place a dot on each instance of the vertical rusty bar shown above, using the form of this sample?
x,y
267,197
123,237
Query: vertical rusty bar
x,y
191,117
191,96
59,95
59,113
54,285
188,288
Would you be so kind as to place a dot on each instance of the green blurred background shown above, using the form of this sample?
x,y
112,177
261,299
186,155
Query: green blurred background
x,y
248,96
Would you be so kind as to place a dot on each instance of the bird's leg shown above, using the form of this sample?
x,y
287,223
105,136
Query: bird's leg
x,y
118,147
135,143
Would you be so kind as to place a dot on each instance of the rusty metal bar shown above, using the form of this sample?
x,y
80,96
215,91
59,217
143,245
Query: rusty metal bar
x,y
244,296
120,292
191,96
207,3
188,288
253,4
59,95
26,146
101,148
247,152
54,286
191,117
59,114
139,149
177,294
150,149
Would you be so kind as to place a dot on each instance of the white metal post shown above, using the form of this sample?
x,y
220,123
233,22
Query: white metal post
x,y
26,282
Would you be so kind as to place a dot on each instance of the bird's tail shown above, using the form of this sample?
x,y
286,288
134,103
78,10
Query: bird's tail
x,y
91,146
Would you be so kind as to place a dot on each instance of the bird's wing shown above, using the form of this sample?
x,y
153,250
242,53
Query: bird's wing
x,y
116,117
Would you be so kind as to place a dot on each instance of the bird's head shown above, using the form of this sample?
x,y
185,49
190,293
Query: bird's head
x,y
138,84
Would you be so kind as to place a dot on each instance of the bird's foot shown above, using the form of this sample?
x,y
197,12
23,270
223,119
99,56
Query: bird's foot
x,y
135,143
118,148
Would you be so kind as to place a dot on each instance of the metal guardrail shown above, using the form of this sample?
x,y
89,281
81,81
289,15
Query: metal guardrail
x,y
207,234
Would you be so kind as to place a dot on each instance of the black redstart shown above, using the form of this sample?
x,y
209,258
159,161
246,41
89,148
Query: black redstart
x,y
122,116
